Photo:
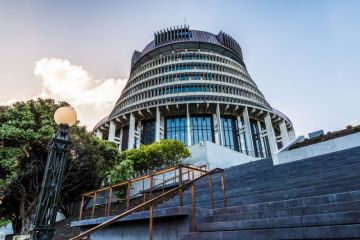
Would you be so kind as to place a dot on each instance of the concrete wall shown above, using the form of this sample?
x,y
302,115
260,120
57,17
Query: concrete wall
x,y
167,228
337,144
214,155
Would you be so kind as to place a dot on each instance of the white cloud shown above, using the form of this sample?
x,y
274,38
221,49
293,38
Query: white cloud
x,y
63,81
92,98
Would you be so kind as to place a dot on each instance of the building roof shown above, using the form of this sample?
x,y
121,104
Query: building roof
x,y
170,37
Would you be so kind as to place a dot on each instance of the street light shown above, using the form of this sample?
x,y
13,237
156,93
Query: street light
x,y
48,202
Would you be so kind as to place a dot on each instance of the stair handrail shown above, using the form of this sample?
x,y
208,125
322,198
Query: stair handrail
x,y
161,171
93,194
151,201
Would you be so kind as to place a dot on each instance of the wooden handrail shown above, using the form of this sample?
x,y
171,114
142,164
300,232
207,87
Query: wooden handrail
x,y
165,170
151,202
94,194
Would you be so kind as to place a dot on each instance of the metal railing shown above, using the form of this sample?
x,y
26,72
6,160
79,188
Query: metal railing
x,y
150,203
122,190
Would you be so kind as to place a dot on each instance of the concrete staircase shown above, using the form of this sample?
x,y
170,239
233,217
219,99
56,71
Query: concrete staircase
x,y
317,198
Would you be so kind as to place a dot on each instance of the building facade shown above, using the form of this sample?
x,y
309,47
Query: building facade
x,y
193,86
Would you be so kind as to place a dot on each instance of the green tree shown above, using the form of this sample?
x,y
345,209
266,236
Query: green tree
x,y
25,131
149,158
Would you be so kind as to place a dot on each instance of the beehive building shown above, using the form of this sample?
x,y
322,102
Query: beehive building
x,y
193,86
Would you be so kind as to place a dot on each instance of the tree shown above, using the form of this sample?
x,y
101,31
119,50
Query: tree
x,y
149,158
25,131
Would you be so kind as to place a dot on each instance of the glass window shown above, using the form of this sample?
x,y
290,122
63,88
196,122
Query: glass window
x,y
255,131
230,132
267,151
175,128
125,138
148,132
201,128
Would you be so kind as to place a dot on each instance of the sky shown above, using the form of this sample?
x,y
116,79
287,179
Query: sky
x,y
303,55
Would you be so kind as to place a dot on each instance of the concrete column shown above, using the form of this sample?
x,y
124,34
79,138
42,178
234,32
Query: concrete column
x,y
248,135
284,133
188,126
99,133
157,125
291,134
138,134
270,134
112,129
120,137
131,131
241,134
162,127
218,117
262,140
216,129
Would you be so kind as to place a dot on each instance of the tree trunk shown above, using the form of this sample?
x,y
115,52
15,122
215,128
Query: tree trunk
x,y
16,224
26,209
25,224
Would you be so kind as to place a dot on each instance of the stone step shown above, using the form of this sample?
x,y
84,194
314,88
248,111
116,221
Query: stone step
x,y
202,200
284,222
274,182
316,198
250,190
342,197
272,205
350,231
291,174
348,183
284,212
273,178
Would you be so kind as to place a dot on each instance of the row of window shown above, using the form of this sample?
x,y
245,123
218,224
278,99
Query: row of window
x,y
184,77
188,55
183,99
189,66
179,88
202,129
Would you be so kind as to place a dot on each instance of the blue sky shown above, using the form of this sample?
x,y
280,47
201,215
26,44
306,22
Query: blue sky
x,y
304,55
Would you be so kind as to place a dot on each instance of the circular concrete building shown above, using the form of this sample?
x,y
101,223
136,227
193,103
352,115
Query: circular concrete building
x,y
193,86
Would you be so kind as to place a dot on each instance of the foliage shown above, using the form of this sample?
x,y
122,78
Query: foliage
x,y
25,131
149,158
4,222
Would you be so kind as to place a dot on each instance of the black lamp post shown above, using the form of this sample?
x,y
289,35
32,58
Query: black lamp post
x,y
48,202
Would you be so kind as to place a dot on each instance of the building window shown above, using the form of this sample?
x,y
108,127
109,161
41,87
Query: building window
x,y
125,138
267,151
175,128
201,128
278,134
148,132
230,132
258,149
